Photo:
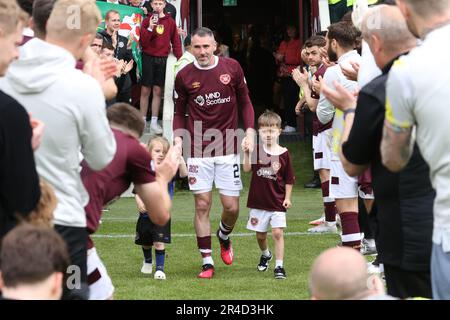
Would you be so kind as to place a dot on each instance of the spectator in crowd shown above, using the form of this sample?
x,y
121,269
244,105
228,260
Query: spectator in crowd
x,y
97,44
238,51
404,200
42,215
158,32
122,51
222,49
71,104
103,71
410,115
33,262
261,74
288,57
187,56
340,274
19,181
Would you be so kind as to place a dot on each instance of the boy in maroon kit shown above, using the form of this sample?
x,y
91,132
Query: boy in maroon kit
x,y
213,93
270,190
158,31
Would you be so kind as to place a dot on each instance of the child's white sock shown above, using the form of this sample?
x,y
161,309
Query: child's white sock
x,y
266,253
154,121
279,263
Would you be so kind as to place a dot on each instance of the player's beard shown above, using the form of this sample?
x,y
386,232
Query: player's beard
x,y
332,55
205,61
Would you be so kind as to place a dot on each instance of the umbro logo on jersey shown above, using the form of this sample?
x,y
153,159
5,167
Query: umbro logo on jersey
x,y
225,78
196,85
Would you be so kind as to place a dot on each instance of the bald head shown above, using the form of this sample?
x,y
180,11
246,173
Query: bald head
x,y
338,274
427,8
388,25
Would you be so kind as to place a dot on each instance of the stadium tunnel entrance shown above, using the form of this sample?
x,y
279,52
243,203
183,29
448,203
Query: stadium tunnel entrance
x,y
236,16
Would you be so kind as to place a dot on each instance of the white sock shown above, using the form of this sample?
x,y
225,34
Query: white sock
x,y
154,121
279,263
266,253
208,260
223,236
330,223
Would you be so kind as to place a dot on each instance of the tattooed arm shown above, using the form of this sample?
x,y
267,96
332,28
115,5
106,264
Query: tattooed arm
x,y
396,147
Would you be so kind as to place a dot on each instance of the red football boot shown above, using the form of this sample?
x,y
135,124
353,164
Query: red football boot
x,y
207,271
226,250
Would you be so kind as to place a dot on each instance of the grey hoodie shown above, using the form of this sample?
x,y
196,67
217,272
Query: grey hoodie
x,y
71,104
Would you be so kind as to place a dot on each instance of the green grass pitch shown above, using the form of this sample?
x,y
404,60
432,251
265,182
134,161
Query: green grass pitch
x,y
123,259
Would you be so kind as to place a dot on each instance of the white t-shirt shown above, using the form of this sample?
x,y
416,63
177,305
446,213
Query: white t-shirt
x,y
418,94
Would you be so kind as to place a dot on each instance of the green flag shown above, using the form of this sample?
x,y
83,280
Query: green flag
x,y
131,18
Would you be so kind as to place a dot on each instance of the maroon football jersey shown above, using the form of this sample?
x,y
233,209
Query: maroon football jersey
x,y
269,180
212,98
317,125
131,163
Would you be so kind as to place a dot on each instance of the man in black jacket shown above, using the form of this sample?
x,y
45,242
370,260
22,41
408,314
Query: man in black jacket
x,y
122,51
19,181
405,199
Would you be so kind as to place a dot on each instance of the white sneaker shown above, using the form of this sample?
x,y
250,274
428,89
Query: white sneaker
x,y
317,221
289,129
327,227
156,129
147,268
368,247
160,275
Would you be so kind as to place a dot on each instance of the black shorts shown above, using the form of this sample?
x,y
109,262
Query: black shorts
x,y
147,232
153,71
75,282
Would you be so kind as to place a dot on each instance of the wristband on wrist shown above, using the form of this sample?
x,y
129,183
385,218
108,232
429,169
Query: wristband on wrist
x,y
351,110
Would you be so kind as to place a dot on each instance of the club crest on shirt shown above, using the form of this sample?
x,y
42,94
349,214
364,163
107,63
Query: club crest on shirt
x,y
196,85
276,166
192,180
160,29
225,78
254,221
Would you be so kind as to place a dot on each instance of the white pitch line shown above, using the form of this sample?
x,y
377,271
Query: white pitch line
x,y
185,235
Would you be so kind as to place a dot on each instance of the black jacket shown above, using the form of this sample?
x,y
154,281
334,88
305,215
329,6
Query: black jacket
x,y
19,181
121,51
405,199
